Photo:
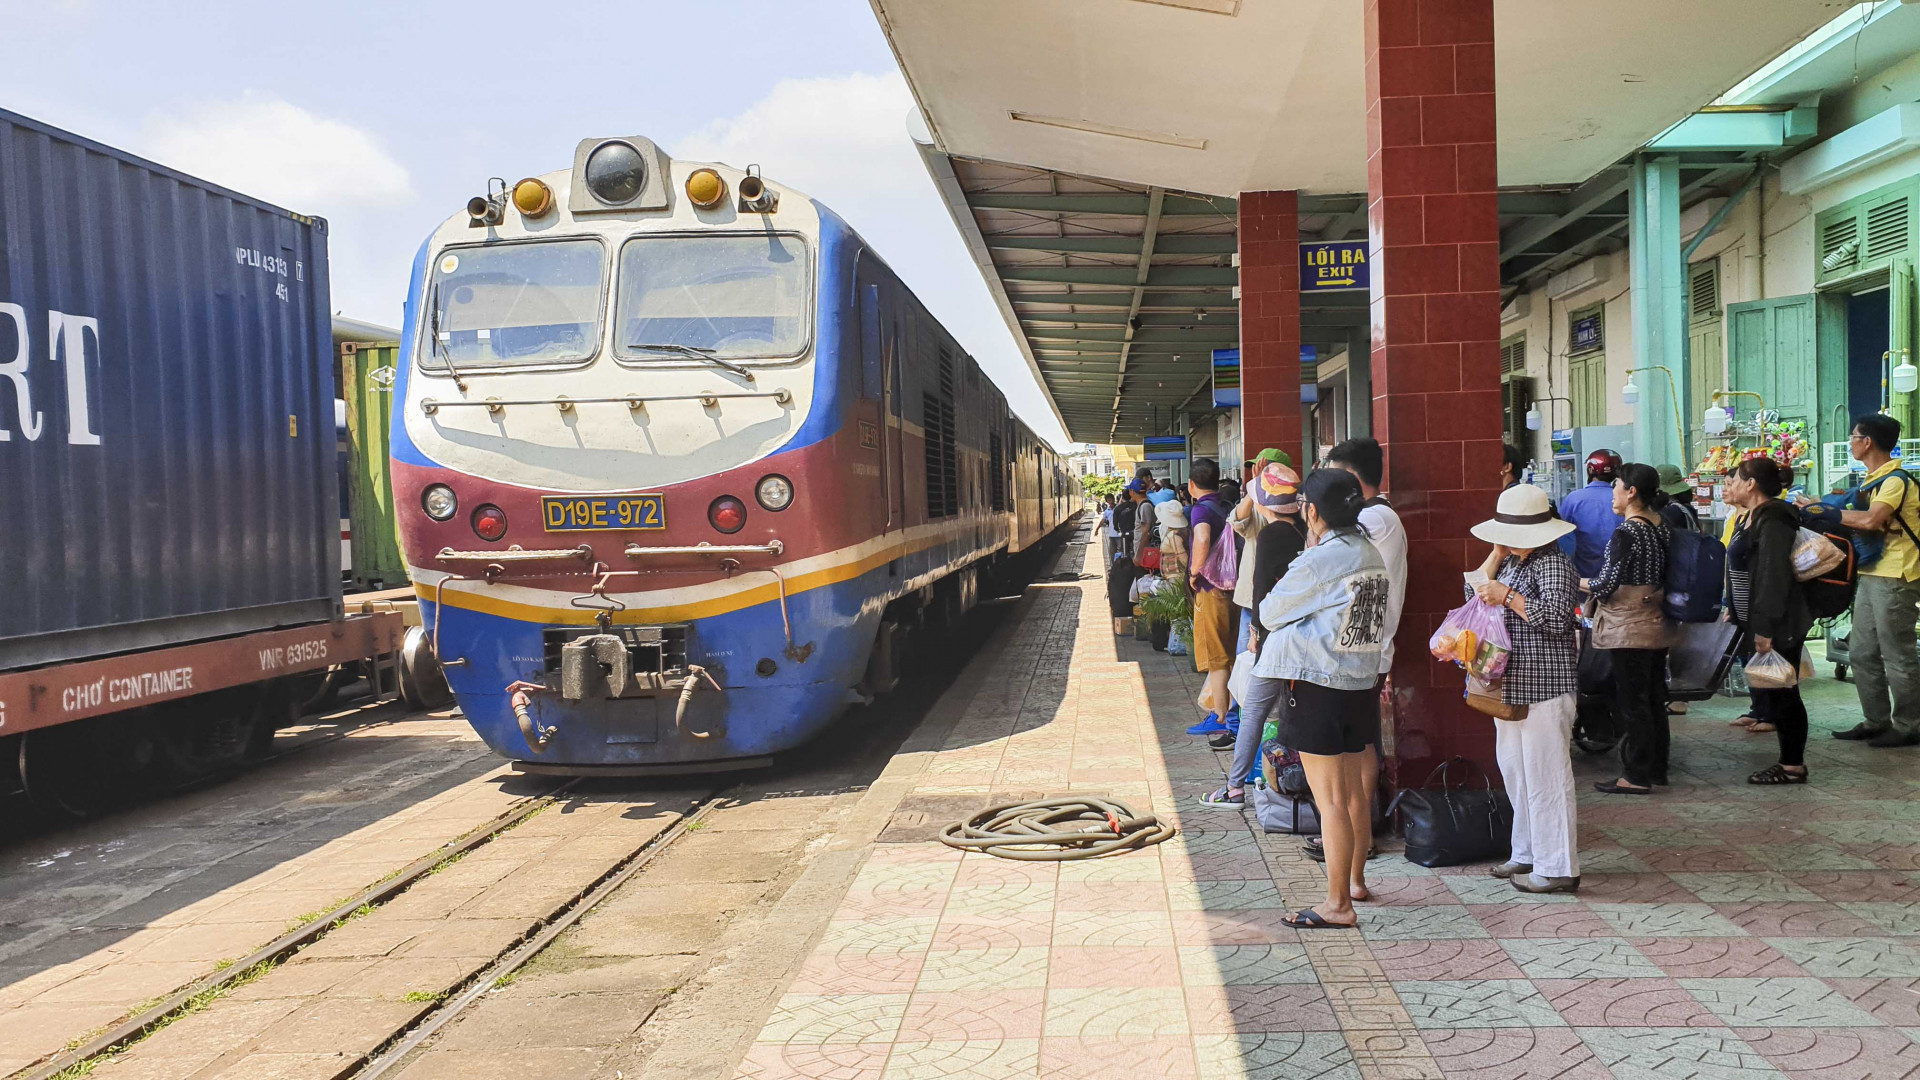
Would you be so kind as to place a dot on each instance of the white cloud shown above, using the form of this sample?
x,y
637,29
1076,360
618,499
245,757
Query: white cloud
x,y
843,140
277,151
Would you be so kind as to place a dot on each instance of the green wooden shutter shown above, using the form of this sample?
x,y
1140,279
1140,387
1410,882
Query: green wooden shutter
x,y
1588,376
1867,232
1513,355
1772,354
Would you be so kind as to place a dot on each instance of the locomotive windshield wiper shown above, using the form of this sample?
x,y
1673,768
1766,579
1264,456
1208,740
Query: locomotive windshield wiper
x,y
698,353
440,348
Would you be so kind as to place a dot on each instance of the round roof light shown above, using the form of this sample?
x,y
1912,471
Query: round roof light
x,y
705,188
616,173
532,197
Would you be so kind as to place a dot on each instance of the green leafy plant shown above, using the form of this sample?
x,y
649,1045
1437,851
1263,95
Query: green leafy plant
x,y
1099,487
1170,604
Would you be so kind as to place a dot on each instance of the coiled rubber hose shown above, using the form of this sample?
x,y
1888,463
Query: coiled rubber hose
x,y
1043,831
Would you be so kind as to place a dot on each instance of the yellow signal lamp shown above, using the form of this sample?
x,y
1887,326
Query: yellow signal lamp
x,y
532,197
705,189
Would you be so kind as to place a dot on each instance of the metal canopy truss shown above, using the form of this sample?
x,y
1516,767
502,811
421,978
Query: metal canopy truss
x,y
1118,293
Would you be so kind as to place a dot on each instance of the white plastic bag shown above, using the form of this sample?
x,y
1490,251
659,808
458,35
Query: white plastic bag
x,y
1242,676
1771,671
1806,664
1814,554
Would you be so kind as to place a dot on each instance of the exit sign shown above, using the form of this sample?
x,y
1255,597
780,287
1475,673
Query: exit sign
x,y
1333,266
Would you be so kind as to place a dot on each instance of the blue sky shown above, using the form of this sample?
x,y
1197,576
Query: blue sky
x,y
385,117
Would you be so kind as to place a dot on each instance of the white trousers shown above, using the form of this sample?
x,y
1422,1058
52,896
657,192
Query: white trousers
x,y
1535,762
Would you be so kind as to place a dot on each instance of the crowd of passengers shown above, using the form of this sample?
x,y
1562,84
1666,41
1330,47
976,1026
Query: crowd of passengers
x,y
1322,578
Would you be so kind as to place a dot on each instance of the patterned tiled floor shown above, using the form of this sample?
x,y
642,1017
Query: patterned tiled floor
x,y
1724,932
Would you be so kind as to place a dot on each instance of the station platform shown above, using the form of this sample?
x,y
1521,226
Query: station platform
x,y
1722,931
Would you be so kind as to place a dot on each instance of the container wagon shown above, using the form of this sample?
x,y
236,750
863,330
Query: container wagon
x,y
169,526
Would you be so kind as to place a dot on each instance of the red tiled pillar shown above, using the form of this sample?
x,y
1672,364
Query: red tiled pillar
x,y
1270,322
1434,224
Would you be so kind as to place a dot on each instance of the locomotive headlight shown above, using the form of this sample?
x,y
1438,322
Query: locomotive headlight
x,y
775,492
705,189
616,172
532,197
438,502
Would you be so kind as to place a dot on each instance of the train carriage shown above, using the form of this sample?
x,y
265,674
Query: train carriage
x,y
683,468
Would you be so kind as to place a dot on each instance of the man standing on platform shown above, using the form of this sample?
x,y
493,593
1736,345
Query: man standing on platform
x,y
1213,614
1886,670
1591,511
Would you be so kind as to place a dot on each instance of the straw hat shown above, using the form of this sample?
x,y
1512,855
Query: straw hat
x,y
1523,518
1172,515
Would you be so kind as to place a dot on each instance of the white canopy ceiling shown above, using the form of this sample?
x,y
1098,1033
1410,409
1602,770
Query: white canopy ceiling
x,y
1225,96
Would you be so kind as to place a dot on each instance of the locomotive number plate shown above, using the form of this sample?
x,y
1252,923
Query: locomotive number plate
x,y
586,513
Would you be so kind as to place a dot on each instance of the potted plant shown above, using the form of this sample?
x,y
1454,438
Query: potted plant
x,y
1169,608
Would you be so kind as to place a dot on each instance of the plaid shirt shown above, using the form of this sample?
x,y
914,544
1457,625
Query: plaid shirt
x,y
1546,646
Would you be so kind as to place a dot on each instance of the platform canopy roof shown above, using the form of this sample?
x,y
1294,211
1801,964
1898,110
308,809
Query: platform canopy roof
x,y
1092,150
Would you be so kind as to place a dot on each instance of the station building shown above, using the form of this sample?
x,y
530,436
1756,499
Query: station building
x,y
1219,225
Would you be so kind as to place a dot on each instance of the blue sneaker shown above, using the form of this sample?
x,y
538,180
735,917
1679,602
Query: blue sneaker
x,y
1209,726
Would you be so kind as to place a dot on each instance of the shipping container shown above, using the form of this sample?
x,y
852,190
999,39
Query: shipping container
x,y
166,408
366,380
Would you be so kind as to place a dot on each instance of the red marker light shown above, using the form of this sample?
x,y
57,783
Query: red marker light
x,y
490,522
727,514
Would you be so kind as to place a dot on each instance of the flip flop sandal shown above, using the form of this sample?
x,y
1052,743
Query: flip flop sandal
x,y
1309,919
1743,720
1316,850
1761,727
1222,799
1777,774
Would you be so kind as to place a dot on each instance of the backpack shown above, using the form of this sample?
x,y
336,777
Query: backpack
x,y
1824,517
1696,571
1831,593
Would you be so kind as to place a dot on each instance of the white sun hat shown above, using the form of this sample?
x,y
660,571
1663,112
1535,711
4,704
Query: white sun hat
x,y
1523,518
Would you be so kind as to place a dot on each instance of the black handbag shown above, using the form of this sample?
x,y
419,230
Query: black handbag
x,y
1449,826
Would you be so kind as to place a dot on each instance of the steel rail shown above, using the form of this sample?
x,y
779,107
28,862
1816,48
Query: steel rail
x,y
397,1051
132,1028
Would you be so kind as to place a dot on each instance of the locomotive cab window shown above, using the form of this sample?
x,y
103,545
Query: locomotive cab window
x,y
736,297
515,305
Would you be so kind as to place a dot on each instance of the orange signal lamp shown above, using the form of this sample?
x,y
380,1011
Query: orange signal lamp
x,y
532,197
705,189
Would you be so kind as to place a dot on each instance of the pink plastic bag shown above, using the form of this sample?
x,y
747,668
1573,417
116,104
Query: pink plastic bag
x,y
1474,636
1222,568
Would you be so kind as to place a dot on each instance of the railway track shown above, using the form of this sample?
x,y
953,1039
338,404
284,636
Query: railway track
x,y
138,1025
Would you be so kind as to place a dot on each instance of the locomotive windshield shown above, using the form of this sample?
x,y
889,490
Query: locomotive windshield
x,y
733,297
510,305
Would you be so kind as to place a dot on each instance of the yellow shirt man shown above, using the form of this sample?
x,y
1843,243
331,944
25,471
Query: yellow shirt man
x,y
1901,559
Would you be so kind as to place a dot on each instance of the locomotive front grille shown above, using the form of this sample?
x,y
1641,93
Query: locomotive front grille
x,y
657,653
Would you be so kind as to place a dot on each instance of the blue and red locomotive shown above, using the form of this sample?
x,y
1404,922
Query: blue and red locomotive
x,y
682,467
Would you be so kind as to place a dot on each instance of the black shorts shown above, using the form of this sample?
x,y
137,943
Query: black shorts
x,y
1315,719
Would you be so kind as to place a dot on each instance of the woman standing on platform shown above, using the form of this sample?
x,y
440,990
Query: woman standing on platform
x,y
1534,581
1631,624
1769,604
1318,671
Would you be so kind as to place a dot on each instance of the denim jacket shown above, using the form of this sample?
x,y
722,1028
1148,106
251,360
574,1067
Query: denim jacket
x,y
1328,615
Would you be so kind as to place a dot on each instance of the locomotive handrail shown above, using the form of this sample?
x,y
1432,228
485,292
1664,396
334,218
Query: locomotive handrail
x,y
514,554
771,547
429,406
